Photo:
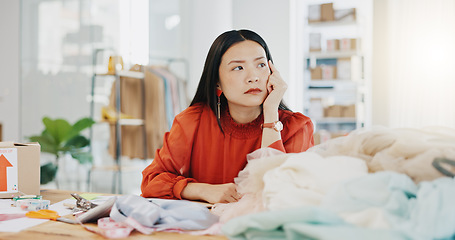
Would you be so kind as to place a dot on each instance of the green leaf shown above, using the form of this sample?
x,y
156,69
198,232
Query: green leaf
x,y
48,172
82,157
78,141
47,145
82,124
79,126
59,129
59,137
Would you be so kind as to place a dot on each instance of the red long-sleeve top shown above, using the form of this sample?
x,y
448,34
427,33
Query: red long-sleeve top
x,y
196,150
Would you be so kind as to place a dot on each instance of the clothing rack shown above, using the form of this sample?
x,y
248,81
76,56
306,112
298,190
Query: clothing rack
x,y
119,122
168,63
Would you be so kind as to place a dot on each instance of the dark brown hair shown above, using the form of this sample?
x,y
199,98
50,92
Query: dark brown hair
x,y
206,90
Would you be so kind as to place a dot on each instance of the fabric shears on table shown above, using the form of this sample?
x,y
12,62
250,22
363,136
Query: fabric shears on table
x,y
48,214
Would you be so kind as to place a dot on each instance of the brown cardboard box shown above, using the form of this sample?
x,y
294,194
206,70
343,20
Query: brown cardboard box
x,y
348,44
329,72
20,171
349,111
327,12
333,111
333,45
316,73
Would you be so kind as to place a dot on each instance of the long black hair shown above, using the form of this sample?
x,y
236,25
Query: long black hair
x,y
206,90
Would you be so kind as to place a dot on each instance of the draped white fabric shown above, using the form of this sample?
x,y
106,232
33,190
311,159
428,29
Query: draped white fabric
x,y
421,69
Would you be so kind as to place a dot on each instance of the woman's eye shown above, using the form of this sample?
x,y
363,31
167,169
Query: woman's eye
x,y
238,68
262,65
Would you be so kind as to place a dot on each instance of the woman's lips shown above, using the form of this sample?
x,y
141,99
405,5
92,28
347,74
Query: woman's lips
x,y
253,91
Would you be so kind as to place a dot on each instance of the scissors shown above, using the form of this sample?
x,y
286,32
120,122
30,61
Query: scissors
x,y
48,214
83,203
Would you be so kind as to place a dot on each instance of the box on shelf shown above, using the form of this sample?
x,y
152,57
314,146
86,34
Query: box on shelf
x,y
329,72
20,169
316,109
327,12
321,13
344,68
316,73
348,111
348,14
315,42
314,13
333,111
333,45
348,44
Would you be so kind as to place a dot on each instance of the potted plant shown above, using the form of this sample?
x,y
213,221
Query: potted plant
x,y
59,138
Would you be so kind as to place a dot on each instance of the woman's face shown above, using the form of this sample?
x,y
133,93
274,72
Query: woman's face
x,y
244,72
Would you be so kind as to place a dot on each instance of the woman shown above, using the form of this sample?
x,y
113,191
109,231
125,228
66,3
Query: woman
x,y
237,109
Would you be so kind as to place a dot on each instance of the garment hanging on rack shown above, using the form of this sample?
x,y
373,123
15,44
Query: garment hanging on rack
x,y
155,115
171,92
167,96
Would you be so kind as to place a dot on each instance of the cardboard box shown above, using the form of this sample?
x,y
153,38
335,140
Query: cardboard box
x,y
321,13
333,45
316,109
316,73
333,111
329,72
348,44
327,12
344,68
20,171
315,42
348,111
314,13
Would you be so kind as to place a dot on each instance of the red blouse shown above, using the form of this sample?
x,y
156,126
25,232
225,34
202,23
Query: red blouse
x,y
196,150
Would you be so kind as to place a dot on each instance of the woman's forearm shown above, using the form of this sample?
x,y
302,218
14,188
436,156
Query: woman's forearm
x,y
212,193
269,135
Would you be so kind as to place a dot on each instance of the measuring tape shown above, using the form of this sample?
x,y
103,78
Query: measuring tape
x,y
33,204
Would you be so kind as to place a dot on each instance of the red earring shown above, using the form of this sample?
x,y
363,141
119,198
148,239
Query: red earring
x,y
218,104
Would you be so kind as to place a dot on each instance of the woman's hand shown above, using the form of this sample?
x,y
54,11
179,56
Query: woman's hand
x,y
276,87
212,193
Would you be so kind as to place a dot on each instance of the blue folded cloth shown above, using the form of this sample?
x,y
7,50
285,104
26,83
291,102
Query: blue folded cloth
x,y
163,214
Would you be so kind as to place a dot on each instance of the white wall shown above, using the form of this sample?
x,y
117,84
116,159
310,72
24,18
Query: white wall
x,y
9,69
202,21
271,20
380,113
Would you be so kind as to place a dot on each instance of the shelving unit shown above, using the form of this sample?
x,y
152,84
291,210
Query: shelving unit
x,y
337,74
110,79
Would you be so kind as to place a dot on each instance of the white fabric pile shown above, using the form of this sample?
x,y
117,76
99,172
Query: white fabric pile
x,y
273,180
